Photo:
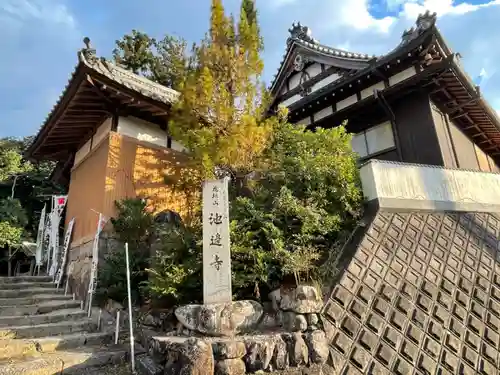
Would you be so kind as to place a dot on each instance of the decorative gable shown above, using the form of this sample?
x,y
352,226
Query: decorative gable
x,y
308,66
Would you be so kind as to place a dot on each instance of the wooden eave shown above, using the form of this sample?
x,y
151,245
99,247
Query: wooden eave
x,y
318,53
352,83
90,98
448,84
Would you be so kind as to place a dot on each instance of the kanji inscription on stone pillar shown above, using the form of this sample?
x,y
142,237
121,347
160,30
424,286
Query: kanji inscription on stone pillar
x,y
216,244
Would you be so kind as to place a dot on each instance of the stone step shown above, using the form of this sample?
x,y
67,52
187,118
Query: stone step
x,y
5,293
48,329
39,308
17,348
63,315
28,285
24,279
66,362
145,365
33,300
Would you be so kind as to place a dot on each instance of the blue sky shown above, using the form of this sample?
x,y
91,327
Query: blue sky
x,y
40,38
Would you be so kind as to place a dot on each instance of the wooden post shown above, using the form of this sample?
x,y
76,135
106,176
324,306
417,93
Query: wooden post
x,y
117,327
132,355
9,265
32,267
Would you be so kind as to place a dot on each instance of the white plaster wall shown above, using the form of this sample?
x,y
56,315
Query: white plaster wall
x,y
305,121
291,100
177,146
314,70
380,138
82,152
366,93
358,144
323,113
294,81
101,132
325,81
422,183
403,75
142,130
347,102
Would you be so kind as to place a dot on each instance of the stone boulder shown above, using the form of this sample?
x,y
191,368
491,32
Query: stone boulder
x,y
189,357
318,347
304,299
229,349
280,356
220,319
294,322
260,351
230,367
297,349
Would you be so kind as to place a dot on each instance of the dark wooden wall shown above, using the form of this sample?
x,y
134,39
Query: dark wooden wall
x,y
417,135
458,150
444,137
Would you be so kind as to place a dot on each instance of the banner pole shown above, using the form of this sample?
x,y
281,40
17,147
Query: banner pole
x,y
132,356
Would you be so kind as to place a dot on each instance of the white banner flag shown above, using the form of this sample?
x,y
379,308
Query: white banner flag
x,y
58,204
95,259
40,237
67,238
47,235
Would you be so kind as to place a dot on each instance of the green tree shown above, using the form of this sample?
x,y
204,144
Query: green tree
x,y
220,114
298,204
12,216
284,225
163,61
25,181
133,224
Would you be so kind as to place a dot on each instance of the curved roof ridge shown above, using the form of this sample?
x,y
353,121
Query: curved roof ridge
x,y
302,35
125,77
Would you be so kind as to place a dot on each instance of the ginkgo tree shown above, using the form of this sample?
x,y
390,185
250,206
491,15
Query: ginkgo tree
x,y
220,116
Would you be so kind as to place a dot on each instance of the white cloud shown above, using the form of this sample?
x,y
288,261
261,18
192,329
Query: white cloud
x,y
51,11
469,28
411,9
355,14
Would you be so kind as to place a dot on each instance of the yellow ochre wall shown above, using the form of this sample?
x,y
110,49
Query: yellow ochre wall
x,y
121,167
137,169
86,189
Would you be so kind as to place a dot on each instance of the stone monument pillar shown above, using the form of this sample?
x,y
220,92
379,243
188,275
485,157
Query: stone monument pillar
x,y
216,244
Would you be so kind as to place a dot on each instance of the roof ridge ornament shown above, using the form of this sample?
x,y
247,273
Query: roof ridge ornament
x,y
298,31
424,22
88,53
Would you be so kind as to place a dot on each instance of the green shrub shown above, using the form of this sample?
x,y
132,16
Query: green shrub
x,y
133,224
176,272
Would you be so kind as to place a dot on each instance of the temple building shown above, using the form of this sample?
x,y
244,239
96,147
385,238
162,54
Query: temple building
x,y
108,136
417,289
415,104
418,285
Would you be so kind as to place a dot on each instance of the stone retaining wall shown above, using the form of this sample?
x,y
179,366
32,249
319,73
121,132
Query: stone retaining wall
x,y
294,352
79,264
244,338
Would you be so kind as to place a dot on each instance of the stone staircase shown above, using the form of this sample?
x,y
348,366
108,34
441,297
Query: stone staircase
x,y
44,332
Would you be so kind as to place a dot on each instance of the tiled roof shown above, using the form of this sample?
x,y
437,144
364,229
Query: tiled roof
x,y
420,293
126,78
301,36
89,63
